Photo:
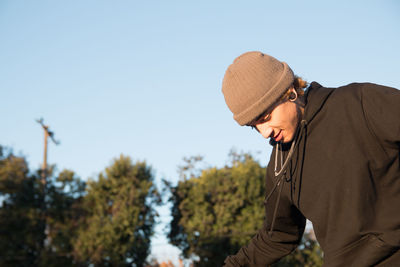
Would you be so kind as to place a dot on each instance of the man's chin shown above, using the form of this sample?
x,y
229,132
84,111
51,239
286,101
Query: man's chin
x,y
286,140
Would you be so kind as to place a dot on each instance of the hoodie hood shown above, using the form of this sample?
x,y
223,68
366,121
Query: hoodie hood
x,y
315,98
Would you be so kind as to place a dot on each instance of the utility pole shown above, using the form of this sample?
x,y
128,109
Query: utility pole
x,y
47,134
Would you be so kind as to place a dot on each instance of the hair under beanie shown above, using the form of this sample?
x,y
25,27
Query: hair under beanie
x,y
252,83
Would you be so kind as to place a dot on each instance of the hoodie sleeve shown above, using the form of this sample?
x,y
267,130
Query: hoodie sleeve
x,y
264,249
381,106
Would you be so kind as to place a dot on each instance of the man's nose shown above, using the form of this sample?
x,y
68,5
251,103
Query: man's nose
x,y
265,130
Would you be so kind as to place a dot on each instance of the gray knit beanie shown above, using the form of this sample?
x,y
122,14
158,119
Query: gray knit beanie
x,y
252,83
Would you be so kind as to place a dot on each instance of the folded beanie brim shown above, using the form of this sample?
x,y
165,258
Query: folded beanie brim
x,y
268,99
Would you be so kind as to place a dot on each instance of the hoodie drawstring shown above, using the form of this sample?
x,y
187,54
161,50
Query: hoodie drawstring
x,y
282,172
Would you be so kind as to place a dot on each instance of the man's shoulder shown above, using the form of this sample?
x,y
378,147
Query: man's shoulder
x,y
358,90
364,87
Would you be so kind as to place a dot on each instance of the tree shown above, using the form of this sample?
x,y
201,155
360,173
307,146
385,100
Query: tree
x,y
37,223
64,213
21,226
218,210
120,216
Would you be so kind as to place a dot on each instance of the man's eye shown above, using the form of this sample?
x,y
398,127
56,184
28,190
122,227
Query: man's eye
x,y
265,119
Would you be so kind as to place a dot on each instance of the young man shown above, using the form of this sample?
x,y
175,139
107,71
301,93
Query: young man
x,y
335,161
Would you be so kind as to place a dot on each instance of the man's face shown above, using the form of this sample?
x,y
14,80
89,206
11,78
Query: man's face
x,y
280,123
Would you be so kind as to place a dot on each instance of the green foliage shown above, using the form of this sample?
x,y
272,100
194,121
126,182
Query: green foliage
x,y
217,210
120,216
64,213
21,227
60,224
37,223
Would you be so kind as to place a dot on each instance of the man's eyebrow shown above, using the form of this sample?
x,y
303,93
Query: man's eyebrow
x,y
258,118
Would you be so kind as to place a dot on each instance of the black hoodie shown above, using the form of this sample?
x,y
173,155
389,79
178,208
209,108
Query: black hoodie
x,y
343,175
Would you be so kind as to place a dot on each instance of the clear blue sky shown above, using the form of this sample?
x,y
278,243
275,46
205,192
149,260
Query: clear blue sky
x,y
143,78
